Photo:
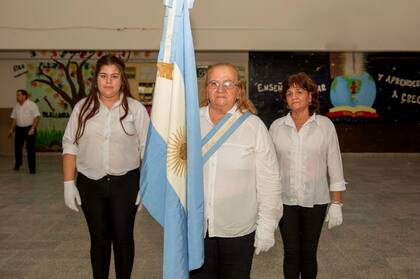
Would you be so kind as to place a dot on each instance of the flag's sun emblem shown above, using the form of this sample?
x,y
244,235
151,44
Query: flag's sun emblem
x,y
177,152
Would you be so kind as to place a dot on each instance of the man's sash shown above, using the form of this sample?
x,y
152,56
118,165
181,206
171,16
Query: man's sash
x,y
221,132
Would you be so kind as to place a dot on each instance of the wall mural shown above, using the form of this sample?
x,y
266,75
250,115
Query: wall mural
x,y
353,90
354,87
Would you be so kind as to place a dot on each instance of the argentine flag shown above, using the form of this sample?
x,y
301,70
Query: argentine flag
x,y
171,181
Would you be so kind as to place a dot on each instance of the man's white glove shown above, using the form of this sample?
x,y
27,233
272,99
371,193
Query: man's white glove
x,y
334,215
139,205
71,195
264,239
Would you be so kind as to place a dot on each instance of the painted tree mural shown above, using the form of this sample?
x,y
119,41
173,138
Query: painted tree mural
x,y
56,81
55,72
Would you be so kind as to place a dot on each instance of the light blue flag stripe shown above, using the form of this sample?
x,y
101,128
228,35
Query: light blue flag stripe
x,y
153,172
195,200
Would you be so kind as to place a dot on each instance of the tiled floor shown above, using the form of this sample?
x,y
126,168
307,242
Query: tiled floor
x,y
380,238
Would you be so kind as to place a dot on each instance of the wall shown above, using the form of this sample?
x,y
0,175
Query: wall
x,y
280,25
9,83
6,144
378,137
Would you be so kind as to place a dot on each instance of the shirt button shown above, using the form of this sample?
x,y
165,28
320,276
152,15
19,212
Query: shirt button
x,y
108,179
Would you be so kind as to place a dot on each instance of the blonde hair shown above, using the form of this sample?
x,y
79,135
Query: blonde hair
x,y
242,102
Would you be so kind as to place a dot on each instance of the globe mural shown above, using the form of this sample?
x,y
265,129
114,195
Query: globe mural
x,y
359,90
353,95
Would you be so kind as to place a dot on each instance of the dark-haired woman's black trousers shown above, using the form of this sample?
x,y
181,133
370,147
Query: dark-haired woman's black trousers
x,y
109,208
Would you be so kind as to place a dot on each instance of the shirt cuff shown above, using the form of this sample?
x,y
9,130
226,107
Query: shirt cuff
x,y
338,186
70,149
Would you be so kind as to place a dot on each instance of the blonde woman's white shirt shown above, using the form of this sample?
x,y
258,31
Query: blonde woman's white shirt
x,y
25,113
310,160
104,147
241,180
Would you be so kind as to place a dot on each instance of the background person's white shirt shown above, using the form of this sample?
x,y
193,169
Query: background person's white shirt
x,y
241,180
104,147
25,113
309,160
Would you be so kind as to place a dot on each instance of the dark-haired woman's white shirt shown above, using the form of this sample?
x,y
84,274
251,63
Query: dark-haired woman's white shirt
x,y
104,147
310,160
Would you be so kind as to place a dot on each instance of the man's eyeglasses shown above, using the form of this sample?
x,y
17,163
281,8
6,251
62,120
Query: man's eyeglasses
x,y
227,84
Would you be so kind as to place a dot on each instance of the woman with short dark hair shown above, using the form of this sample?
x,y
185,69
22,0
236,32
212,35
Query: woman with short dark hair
x,y
311,172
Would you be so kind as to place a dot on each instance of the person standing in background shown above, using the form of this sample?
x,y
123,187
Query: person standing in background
x,y
311,172
25,117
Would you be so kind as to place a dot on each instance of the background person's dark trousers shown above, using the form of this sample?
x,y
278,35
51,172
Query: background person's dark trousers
x,y
21,135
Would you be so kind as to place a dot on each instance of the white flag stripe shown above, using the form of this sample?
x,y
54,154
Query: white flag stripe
x,y
177,122
169,32
162,106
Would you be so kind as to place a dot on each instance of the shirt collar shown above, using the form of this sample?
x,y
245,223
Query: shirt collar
x,y
24,102
116,104
313,118
289,121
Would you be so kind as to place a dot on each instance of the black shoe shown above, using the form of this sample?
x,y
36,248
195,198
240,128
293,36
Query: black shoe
x,y
16,168
32,171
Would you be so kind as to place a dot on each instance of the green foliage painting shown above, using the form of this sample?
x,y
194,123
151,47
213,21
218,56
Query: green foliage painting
x,y
56,85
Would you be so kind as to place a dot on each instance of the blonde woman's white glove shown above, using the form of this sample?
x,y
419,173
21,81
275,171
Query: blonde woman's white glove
x,y
334,215
264,239
139,205
71,195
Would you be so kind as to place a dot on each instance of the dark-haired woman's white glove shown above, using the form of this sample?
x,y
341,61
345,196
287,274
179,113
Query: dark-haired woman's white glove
x,y
334,215
71,195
